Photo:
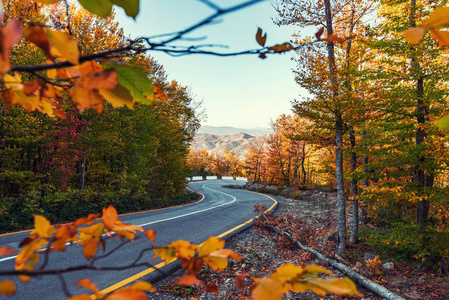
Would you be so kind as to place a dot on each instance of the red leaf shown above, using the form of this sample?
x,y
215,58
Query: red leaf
x,y
212,288
319,33
239,280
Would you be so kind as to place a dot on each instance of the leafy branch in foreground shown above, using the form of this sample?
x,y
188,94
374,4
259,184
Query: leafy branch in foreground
x,y
92,78
46,238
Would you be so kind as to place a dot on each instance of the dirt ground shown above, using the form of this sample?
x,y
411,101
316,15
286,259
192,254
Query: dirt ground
x,y
263,252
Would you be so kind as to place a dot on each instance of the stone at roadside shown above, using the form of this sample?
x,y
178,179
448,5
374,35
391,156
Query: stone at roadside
x,y
388,266
369,256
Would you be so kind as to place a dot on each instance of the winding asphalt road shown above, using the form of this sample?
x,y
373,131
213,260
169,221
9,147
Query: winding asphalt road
x,y
221,212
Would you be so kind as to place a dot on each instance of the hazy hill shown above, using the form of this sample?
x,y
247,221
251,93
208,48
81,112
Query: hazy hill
x,y
220,143
226,130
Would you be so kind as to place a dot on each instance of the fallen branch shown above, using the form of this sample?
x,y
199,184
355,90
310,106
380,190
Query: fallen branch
x,y
360,279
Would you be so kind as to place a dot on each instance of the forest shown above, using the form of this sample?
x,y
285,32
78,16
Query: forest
x,y
90,123
374,126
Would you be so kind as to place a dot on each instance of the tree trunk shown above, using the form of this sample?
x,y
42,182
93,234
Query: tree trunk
x,y
354,191
338,136
341,201
422,207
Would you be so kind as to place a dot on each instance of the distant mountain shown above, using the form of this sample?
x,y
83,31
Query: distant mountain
x,y
226,130
221,143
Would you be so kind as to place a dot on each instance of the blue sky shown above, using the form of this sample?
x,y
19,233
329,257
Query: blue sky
x,y
243,91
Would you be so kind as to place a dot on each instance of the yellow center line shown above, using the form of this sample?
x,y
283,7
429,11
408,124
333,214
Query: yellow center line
x,y
150,270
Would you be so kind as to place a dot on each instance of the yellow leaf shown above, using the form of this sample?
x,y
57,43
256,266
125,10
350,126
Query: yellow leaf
x,y
118,96
266,289
313,270
414,35
320,286
7,287
95,230
212,244
143,286
42,226
13,82
64,45
287,272
439,17
216,263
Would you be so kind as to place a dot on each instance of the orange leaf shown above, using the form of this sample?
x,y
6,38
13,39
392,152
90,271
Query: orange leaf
x,y
90,247
7,287
281,48
188,280
159,93
110,216
9,35
88,284
441,36
439,17
85,99
37,36
127,293
266,289
88,220
30,87
80,297
150,234
259,38
106,79
7,251
334,38
414,35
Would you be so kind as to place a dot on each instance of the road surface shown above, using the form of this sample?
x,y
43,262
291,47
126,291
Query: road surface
x,y
220,212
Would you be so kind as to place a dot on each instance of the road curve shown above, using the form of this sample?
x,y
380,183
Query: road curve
x,y
220,212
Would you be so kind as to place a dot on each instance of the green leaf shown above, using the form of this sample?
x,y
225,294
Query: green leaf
x,y
443,123
101,8
135,80
131,7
